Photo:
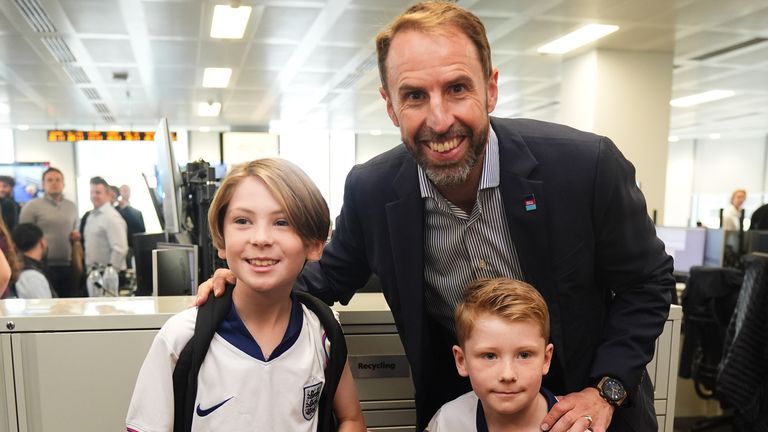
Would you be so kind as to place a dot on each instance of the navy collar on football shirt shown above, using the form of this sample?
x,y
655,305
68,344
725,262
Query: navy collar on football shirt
x,y
233,330
482,425
489,178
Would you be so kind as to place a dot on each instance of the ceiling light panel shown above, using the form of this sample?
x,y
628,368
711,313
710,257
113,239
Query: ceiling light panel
x,y
571,41
229,22
700,98
216,77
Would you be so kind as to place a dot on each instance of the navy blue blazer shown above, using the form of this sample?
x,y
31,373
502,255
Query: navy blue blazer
x,y
589,247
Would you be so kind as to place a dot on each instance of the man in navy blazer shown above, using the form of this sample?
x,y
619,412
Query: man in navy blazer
x,y
577,224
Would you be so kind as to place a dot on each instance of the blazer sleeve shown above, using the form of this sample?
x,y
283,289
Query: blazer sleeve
x,y
631,262
343,268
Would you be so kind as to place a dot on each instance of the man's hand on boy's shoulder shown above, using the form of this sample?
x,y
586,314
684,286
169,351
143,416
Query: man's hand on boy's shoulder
x,y
217,283
584,410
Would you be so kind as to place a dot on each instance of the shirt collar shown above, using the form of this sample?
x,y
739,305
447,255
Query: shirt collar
x,y
489,178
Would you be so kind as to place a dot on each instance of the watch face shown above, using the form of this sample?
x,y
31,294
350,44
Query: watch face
x,y
613,390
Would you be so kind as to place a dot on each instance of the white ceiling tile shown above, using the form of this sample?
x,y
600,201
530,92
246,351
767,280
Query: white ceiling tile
x,y
697,73
269,56
310,80
176,76
640,38
751,56
358,26
749,81
330,57
94,16
16,49
755,21
252,97
40,74
256,78
712,12
283,23
533,34
530,66
174,53
704,41
222,53
173,18
56,92
484,7
399,5
109,50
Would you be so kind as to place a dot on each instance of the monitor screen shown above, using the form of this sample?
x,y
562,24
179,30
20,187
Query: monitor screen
x,y
685,245
143,245
28,177
168,180
174,269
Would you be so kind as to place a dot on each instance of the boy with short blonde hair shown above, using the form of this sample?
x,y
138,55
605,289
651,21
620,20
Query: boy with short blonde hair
x,y
502,327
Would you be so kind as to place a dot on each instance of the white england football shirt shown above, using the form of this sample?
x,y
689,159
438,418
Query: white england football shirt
x,y
238,389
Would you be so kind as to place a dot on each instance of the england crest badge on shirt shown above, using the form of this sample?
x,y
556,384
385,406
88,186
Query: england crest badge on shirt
x,y
311,400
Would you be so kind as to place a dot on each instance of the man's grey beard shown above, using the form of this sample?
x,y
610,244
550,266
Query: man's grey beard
x,y
450,176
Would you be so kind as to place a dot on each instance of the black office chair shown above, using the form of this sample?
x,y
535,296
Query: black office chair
x,y
742,380
708,302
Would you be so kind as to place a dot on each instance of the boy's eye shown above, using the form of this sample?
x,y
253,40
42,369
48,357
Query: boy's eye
x,y
524,355
489,356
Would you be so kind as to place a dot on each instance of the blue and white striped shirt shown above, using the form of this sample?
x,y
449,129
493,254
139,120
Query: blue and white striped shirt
x,y
459,248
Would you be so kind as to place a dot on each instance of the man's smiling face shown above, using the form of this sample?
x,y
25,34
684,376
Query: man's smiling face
x,y
439,98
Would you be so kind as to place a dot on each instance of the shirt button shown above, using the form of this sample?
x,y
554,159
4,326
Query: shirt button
x,y
483,264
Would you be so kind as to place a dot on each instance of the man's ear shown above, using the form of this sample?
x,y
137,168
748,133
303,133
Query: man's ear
x,y
390,108
461,361
548,351
315,250
493,90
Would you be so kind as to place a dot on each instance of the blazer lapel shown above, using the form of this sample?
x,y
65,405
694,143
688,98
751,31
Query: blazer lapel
x,y
405,222
526,209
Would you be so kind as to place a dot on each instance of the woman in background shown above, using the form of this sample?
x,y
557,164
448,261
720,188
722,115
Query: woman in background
x,y
732,213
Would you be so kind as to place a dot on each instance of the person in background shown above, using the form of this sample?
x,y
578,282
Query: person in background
x,y
133,217
470,196
32,282
104,231
57,218
732,213
9,264
9,208
114,195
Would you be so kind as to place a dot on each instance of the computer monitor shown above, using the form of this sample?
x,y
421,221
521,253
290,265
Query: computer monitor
x,y
168,180
756,241
714,248
143,245
685,245
174,269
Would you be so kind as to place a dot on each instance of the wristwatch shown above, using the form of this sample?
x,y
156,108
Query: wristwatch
x,y
612,390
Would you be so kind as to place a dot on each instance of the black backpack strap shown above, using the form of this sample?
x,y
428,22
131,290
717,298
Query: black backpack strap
x,y
209,317
326,420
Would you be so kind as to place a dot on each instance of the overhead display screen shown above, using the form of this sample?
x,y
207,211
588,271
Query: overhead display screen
x,y
75,135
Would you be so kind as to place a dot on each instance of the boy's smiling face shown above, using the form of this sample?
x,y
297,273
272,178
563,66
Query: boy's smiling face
x,y
505,362
261,247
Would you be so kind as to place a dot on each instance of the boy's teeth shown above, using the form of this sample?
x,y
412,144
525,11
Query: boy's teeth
x,y
444,146
259,262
